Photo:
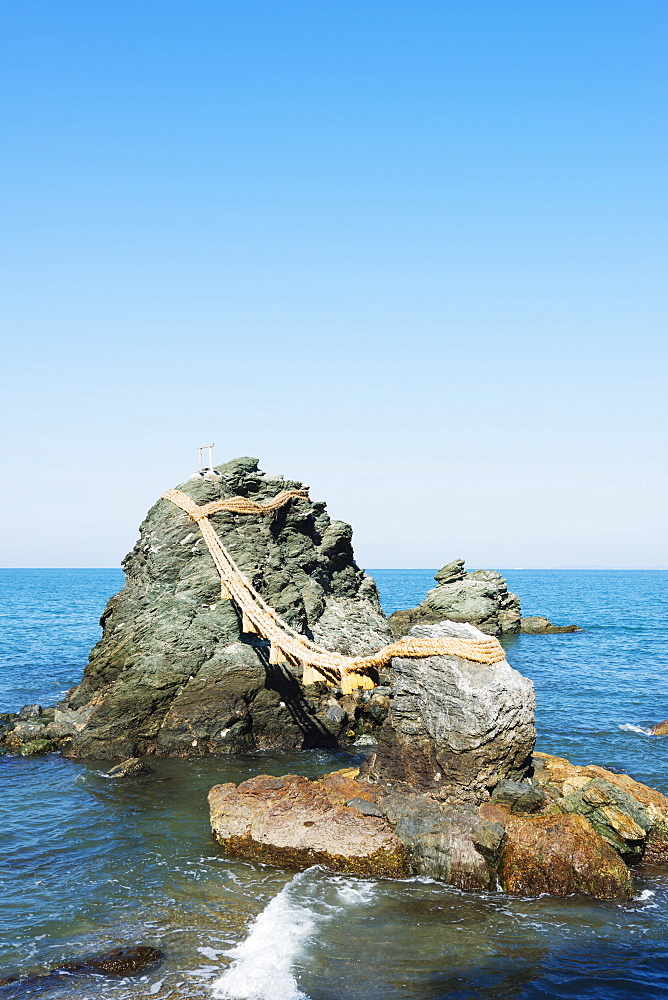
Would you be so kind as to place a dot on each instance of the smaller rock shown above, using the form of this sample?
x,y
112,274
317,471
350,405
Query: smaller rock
x,y
336,714
661,728
377,707
519,796
133,767
539,625
368,808
35,747
28,711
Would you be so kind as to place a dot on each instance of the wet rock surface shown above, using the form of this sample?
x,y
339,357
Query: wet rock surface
x,y
455,726
559,855
632,817
294,822
174,674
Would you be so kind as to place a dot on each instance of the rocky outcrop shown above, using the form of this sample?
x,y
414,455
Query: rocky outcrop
x,y
561,830
661,728
174,674
455,727
481,598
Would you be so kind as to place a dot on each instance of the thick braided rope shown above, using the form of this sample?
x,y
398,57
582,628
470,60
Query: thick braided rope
x,y
288,645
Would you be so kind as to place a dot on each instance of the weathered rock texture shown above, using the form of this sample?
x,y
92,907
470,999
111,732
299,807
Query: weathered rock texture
x,y
559,855
631,817
174,675
293,822
455,726
481,598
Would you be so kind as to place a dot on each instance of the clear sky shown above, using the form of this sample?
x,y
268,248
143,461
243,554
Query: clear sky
x,y
411,253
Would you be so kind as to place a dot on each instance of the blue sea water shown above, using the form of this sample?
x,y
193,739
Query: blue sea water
x,y
88,864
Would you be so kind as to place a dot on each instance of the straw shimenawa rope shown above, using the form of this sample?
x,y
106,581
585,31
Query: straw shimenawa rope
x,y
288,645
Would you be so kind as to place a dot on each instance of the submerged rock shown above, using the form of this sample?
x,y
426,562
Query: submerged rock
x,y
133,767
455,726
125,961
174,674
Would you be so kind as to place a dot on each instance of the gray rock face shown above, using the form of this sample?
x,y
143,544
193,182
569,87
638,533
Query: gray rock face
x,y
454,845
481,598
173,673
455,726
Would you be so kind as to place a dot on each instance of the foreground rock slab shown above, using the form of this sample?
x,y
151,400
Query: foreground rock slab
x,y
294,823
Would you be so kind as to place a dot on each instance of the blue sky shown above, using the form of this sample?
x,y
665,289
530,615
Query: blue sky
x,y
412,254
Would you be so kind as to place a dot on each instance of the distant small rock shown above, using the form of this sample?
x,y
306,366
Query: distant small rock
x,y
661,728
539,625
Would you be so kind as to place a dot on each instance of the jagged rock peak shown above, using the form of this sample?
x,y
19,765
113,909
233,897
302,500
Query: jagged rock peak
x,y
174,674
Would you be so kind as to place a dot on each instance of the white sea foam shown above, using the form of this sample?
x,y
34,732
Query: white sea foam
x,y
262,963
630,728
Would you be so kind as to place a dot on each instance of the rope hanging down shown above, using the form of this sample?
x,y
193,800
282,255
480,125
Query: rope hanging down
x,y
288,645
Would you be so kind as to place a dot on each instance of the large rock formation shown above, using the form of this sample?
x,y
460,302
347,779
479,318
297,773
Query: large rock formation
x,y
173,673
455,727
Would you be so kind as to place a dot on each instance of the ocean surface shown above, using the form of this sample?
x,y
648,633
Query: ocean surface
x,y
88,864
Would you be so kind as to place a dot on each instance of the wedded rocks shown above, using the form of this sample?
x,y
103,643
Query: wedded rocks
x,y
455,726
174,674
